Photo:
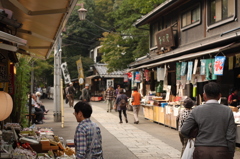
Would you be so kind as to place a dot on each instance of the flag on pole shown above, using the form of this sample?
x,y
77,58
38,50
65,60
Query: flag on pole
x,y
80,71
65,72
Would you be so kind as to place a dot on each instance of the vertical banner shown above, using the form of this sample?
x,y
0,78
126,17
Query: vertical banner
x,y
195,66
219,65
160,74
4,66
110,82
178,71
230,63
125,77
129,75
190,68
237,60
165,71
203,67
137,77
146,74
80,71
210,69
183,68
11,79
65,72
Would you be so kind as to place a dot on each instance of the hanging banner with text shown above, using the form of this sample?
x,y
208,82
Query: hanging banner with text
x,y
4,67
219,65
80,71
65,72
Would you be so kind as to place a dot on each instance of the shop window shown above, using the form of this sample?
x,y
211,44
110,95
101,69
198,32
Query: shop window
x,y
220,12
154,30
191,18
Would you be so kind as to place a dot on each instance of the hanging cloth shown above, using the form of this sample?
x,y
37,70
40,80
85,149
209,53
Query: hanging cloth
x,y
160,74
178,71
183,68
146,74
219,65
190,68
195,66
203,67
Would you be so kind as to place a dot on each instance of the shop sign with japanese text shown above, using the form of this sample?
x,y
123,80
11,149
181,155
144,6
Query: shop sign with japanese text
x,y
165,38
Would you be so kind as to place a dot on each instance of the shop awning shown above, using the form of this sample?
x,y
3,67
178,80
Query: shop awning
x,y
184,57
42,23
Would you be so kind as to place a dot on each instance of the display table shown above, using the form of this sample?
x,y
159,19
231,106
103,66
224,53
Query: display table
x,y
148,111
156,115
162,115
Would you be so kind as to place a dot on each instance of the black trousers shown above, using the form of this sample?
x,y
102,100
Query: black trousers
x,y
120,114
39,114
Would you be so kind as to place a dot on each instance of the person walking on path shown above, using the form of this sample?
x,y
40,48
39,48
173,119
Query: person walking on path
x,y
109,97
44,91
71,93
121,103
183,115
136,98
87,139
85,97
216,126
66,93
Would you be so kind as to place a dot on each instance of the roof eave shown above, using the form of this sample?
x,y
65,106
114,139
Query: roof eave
x,y
144,18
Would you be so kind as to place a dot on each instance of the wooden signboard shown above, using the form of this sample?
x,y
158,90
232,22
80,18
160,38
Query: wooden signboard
x,y
165,38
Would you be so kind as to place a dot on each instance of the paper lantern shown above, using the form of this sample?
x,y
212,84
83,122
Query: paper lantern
x,y
6,105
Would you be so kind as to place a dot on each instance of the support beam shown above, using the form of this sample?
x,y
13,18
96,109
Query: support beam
x,y
12,38
35,35
39,47
8,47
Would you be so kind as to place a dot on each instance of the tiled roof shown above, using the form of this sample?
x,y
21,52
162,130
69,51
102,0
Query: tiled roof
x,y
102,71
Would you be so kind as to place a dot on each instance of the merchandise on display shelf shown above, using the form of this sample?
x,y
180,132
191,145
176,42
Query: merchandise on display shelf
x,y
34,143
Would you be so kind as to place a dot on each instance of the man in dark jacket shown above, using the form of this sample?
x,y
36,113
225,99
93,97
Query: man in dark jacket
x,y
86,94
216,127
71,93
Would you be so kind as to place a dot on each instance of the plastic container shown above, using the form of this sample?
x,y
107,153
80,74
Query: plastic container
x,y
163,104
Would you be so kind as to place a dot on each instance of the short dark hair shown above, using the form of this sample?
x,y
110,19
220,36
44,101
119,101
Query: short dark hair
x,y
188,103
83,107
212,90
134,88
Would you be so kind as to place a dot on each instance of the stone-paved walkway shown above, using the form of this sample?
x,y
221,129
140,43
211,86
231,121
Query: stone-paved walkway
x,y
142,144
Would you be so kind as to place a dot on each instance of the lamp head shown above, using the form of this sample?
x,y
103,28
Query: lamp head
x,y
82,12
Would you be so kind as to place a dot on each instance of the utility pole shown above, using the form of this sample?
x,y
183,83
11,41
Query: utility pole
x,y
57,80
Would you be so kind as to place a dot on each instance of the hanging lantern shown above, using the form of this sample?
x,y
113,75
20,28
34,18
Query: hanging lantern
x,y
6,105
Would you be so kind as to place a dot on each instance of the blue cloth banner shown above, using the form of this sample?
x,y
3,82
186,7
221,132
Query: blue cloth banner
x,y
183,68
190,69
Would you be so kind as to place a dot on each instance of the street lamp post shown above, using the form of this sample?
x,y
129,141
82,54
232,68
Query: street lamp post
x,y
58,74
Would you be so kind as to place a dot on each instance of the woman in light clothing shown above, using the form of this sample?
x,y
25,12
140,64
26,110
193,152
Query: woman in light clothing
x,y
182,116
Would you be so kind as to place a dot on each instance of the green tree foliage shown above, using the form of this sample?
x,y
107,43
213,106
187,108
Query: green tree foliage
x,y
43,72
115,17
22,83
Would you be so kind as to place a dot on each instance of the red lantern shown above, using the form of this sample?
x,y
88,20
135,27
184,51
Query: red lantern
x,y
6,105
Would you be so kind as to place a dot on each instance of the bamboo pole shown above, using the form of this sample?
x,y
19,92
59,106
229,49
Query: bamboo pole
x,y
62,109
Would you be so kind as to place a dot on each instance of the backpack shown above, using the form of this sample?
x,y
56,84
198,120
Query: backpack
x,y
122,103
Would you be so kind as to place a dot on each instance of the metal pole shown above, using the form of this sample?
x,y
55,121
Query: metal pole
x,y
32,77
57,77
62,109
